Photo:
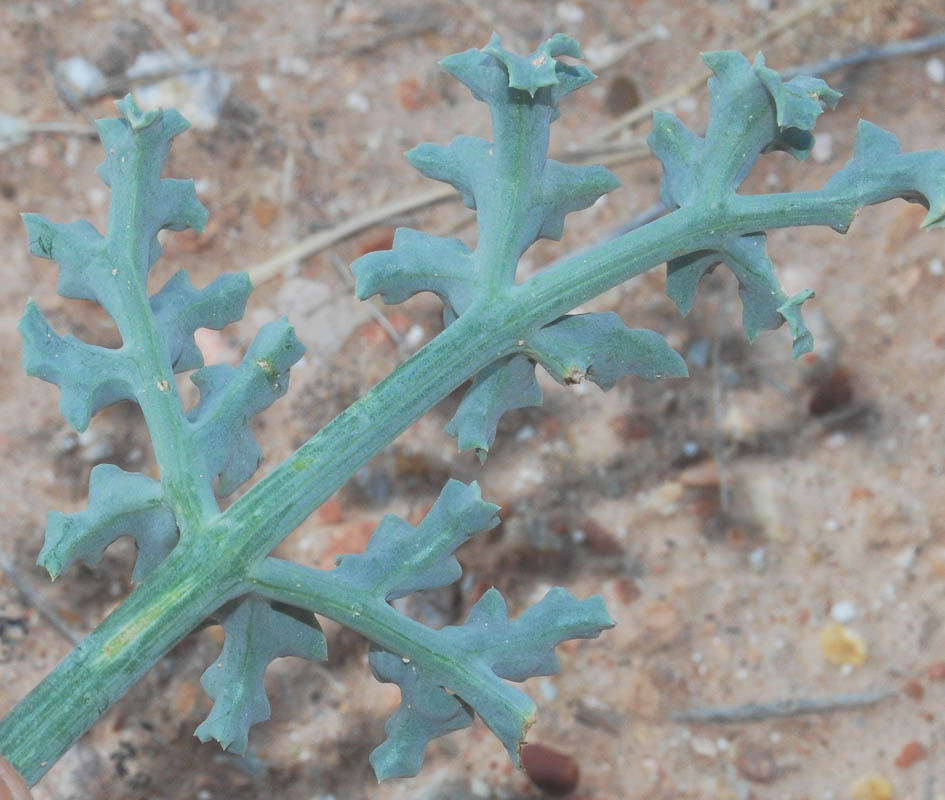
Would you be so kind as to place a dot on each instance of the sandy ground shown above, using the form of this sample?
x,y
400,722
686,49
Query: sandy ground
x,y
832,495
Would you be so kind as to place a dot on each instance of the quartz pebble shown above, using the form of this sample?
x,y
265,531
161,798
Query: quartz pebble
x,y
935,70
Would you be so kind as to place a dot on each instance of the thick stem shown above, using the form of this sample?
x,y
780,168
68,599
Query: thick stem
x,y
175,599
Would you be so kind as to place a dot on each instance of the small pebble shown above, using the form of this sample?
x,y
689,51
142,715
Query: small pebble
x,y
914,689
414,336
357,102
936,671
83,76
911,752
872,787
936,267
935,70
570,13
552,771
755,762
823,148
703,746
842,646
843,612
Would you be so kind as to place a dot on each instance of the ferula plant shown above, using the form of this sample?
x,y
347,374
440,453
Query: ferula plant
x,y
197,562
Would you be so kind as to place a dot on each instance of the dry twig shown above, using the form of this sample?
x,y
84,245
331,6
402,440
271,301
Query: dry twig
x,y
792,707
35,599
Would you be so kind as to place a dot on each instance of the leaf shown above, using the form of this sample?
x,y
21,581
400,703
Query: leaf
x,y
230,396
143,203
764,304
880,171
602,349
419,262
753,111
401,559
502,386
89,376
119,503
257,632
490,647
426,712
179,309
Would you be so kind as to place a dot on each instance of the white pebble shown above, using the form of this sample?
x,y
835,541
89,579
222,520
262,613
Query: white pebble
x,y
935,70
569,12
757,559
415,335
82,75
525,434
357,102
936,267
843,612
703,746
905,558
823,148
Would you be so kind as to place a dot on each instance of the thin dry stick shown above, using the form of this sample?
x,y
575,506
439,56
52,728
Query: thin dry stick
x,y
792,707
35,599
642,112
319,241
912,47
368,307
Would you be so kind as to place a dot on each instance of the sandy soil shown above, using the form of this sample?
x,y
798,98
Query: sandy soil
x,y
831,467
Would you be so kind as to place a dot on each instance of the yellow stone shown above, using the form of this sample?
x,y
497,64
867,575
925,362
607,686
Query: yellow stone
x,y
872,787
842,645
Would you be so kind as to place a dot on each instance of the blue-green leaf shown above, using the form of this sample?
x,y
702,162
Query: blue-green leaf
x,y
494,649
119,503
519,195
502,386
257,632
179,309
753,111
89,376
426,711
765,306
602,349
401,558
419,262
880,171
230,396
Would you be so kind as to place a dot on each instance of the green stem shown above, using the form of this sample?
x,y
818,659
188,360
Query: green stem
x,y
146,625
